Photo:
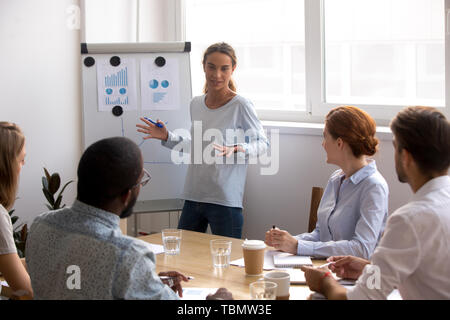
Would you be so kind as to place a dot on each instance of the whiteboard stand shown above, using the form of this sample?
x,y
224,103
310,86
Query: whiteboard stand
x,y
156,206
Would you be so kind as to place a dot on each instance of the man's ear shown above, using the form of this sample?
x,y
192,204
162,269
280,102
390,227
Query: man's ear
x,y
126,197
406,158
340,143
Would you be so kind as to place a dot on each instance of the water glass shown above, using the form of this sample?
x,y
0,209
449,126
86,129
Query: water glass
x,y
220,251
171,241
263,290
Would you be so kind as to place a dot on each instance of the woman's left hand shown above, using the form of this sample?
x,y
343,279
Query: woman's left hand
x,y
227,151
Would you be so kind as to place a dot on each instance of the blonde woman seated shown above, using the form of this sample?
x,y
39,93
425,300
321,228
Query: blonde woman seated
x,y
353,209
12,151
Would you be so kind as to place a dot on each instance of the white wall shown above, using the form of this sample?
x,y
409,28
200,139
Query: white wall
x,y
40,86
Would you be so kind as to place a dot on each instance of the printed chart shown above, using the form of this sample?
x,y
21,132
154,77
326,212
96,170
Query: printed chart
x,y
160,85
116,85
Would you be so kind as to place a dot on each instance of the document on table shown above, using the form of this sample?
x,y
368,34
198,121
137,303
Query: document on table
x,y
269,257
156,248
197,293
288,260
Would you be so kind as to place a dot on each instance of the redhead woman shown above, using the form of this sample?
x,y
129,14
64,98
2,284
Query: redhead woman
x,y
214,190
12,159
353,209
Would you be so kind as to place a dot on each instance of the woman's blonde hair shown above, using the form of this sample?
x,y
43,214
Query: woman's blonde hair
x,y
12,142
224,48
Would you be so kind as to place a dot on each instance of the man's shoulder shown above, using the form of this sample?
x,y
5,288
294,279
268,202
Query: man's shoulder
x,y
51,216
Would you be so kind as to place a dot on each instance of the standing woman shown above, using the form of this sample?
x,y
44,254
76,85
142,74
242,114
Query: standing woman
x,y
213,193
12,159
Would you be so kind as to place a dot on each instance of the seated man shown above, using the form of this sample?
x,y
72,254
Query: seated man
x,y
80,252
413,253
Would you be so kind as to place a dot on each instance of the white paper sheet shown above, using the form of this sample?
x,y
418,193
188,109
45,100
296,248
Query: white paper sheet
x,y
268,260
116,86
160,86
156,248
197,293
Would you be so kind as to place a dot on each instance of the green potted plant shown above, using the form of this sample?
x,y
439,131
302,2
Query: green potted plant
x,y
51,184
19,234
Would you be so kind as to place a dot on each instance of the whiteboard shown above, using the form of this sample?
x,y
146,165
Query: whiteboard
x,y
111,81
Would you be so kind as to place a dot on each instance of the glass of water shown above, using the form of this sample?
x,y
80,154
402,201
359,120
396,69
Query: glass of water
x,y
220,251
171,241
263,290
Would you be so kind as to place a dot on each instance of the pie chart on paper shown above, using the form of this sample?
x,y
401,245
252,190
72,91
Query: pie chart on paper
x,y
153,84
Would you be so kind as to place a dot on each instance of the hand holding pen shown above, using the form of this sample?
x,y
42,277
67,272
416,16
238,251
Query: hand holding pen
x,y
173,280
154,130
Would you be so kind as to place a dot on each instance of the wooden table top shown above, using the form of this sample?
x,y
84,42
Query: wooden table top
x,y
195,260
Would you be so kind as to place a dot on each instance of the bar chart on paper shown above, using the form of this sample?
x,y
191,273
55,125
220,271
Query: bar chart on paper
x,y
118,79
117,85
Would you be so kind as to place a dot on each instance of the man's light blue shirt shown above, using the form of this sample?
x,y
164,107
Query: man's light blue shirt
x,y
81,253
351,215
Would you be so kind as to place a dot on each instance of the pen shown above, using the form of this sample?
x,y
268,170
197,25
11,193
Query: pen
x,y
169,277
325,265
159,125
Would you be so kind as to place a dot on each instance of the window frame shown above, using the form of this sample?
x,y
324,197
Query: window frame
x,y
316,106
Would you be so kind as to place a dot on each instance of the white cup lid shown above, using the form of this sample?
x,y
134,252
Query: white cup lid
x,y
253,244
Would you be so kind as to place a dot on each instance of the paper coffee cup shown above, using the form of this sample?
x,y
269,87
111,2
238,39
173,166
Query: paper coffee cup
x,y
253,256
283,281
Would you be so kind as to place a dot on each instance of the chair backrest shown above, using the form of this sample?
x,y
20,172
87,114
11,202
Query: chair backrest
x,y
316,195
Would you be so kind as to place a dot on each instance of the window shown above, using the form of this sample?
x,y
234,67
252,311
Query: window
x,y
269,39
380,55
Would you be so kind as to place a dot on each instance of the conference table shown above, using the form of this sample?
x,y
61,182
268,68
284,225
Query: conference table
x,y
195,260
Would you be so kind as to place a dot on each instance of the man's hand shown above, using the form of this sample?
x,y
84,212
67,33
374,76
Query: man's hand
x,y
321,280
175,281
347,267
221,294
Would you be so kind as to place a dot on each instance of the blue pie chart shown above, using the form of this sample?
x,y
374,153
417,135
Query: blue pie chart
x,y
123,90
109,91
164,83
153,84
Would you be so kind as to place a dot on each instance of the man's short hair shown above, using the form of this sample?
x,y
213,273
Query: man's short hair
x,y
107,169
425,133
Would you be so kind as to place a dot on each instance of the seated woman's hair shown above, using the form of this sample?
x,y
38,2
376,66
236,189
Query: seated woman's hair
x,y
354,126
12,141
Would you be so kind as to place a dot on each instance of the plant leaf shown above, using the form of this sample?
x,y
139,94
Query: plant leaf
x,y
45,183
17,233
47,174
62,190
24,233
11,212
49,207
58,202
49,197
14,219
54,183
